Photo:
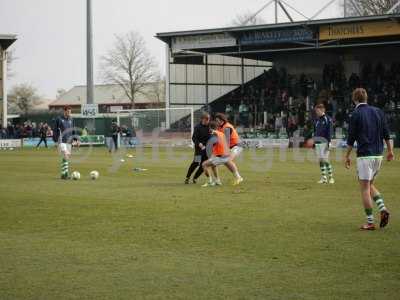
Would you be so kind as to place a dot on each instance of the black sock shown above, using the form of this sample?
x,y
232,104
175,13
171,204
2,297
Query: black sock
x,y
199,172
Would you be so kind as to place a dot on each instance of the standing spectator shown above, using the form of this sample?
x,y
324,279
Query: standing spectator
x,y
115,131
278,124
84,132
10,131
43,135
3,132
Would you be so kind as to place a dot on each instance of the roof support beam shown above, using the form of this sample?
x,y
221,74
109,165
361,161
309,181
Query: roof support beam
x,y
285,11
295,9
355,6
258,12
322,9
313,47
390,11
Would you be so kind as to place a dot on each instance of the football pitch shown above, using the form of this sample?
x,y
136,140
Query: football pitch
x,y
146,235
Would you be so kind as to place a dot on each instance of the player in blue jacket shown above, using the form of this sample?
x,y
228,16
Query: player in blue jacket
x,y
63,135
368,127
322,138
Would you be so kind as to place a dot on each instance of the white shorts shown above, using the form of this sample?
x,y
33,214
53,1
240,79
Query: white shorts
x,y
322,151
368,167
236,151
219,160
65,148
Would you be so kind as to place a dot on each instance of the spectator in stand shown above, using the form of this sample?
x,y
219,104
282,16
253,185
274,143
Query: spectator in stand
x,y
329,108
10,131
278,124
339,118
35,130
292,126
84,132
229,112
3,132
244,114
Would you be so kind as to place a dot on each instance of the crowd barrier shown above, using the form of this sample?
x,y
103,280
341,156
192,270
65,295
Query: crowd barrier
x,y
89,140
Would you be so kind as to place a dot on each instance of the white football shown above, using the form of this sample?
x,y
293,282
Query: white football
x,y
94,175
76,175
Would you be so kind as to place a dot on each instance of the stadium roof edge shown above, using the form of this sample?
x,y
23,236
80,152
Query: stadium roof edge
x,y
6,40
164,36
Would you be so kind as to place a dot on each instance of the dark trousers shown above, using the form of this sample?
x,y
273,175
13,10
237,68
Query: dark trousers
x,y
115,140
197,164
42,139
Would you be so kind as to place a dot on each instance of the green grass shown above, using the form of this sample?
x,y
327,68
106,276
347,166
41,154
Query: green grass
x,y
147,236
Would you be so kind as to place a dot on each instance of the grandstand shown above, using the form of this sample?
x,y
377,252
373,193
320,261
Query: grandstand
x,y
268,77
6,40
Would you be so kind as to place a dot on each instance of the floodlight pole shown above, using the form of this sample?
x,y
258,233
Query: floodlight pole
x,y
276,11
3,61
89,55
345,8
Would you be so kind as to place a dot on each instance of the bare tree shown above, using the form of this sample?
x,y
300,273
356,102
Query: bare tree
x,y
128,64
247,18
369,7
23,97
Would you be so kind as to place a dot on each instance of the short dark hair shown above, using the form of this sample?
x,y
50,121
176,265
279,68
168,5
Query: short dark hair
x,y
67,107
320,106
360,95
205,115
222,117
213,125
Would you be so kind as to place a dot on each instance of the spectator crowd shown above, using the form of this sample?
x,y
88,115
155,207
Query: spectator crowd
x,y
280,103
27,129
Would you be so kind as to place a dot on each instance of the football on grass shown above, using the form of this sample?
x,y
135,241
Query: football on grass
x,y
94,175
76,175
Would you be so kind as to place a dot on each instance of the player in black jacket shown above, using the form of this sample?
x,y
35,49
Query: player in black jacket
x,y
200,137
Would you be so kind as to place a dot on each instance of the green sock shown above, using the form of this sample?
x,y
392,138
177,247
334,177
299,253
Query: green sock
x,y
329,169
64,168
370,215
323,169
378,199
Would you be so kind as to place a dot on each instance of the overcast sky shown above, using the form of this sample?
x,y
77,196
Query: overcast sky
x,y
51,33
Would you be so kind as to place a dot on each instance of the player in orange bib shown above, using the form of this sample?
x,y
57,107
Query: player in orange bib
x,y
219,154
233,141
